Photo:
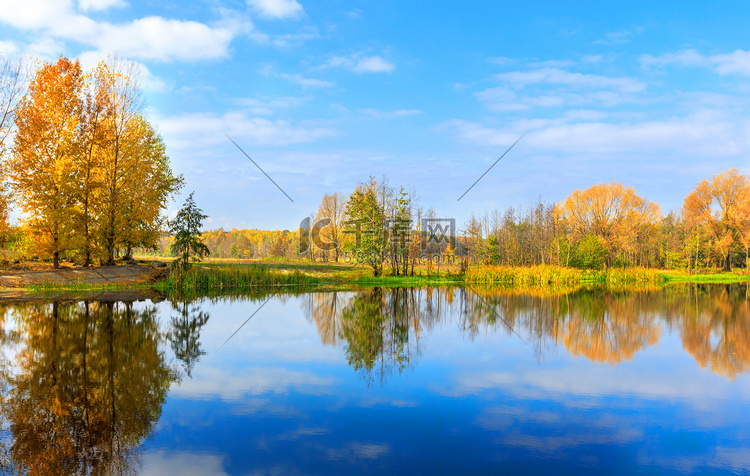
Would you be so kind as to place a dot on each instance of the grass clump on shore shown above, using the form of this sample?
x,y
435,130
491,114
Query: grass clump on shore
x,y
544,275
199,278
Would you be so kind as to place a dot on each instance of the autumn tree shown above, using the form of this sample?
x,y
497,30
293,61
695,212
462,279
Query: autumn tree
x,y
330,217
721,209
146,196
42,170
88,163
618,217
366,222
135,176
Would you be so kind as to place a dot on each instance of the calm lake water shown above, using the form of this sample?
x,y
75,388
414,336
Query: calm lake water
x,y
377,381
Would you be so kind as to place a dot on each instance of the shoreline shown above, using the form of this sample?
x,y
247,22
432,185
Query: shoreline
x,y
210,277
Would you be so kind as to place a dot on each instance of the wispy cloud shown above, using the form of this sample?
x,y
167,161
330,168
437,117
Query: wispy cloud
x,y
99,5
277,9
264,106
619,37
736,62
201,130
706,134
295,39
390,114
568,78
307,82
543,86
360,63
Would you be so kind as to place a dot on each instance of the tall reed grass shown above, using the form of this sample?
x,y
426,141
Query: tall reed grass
x,y
543,275
219,278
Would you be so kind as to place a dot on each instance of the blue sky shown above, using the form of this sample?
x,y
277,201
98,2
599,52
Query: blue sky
x,y
324,94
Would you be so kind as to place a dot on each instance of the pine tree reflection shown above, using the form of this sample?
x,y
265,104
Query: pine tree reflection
x,y
186,332
89,385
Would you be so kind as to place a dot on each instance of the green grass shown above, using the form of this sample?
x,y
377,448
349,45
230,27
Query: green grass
x,y
724,277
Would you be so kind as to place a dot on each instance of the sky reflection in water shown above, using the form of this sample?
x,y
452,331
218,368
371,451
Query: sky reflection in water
x,y
384,380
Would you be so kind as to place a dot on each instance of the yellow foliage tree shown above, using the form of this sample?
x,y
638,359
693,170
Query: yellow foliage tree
x,y
332,210
135,176
721,208
46,143
613,213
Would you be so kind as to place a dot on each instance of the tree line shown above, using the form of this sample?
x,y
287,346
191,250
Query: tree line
x,y
81,161
606,225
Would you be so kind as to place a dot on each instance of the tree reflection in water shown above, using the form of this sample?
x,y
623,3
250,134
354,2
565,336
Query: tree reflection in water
x,y
714,324
88,385
186,332
380,328
83,384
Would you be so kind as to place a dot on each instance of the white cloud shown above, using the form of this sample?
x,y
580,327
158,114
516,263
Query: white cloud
x,y
8,48
615,38
553,64
279,9
705,134
162,39
548,85
390,114
736,62
357,451
209,383
296,39
686,57
190,131
267,106
502,98
561,77
45,49
147,38
362,64
163,463
592,58
373,64
98,5
307,82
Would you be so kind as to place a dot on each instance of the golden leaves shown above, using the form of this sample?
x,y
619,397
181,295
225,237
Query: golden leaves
x,y
87,165
721,209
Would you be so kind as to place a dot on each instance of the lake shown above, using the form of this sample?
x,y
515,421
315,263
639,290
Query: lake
x,y
381,380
